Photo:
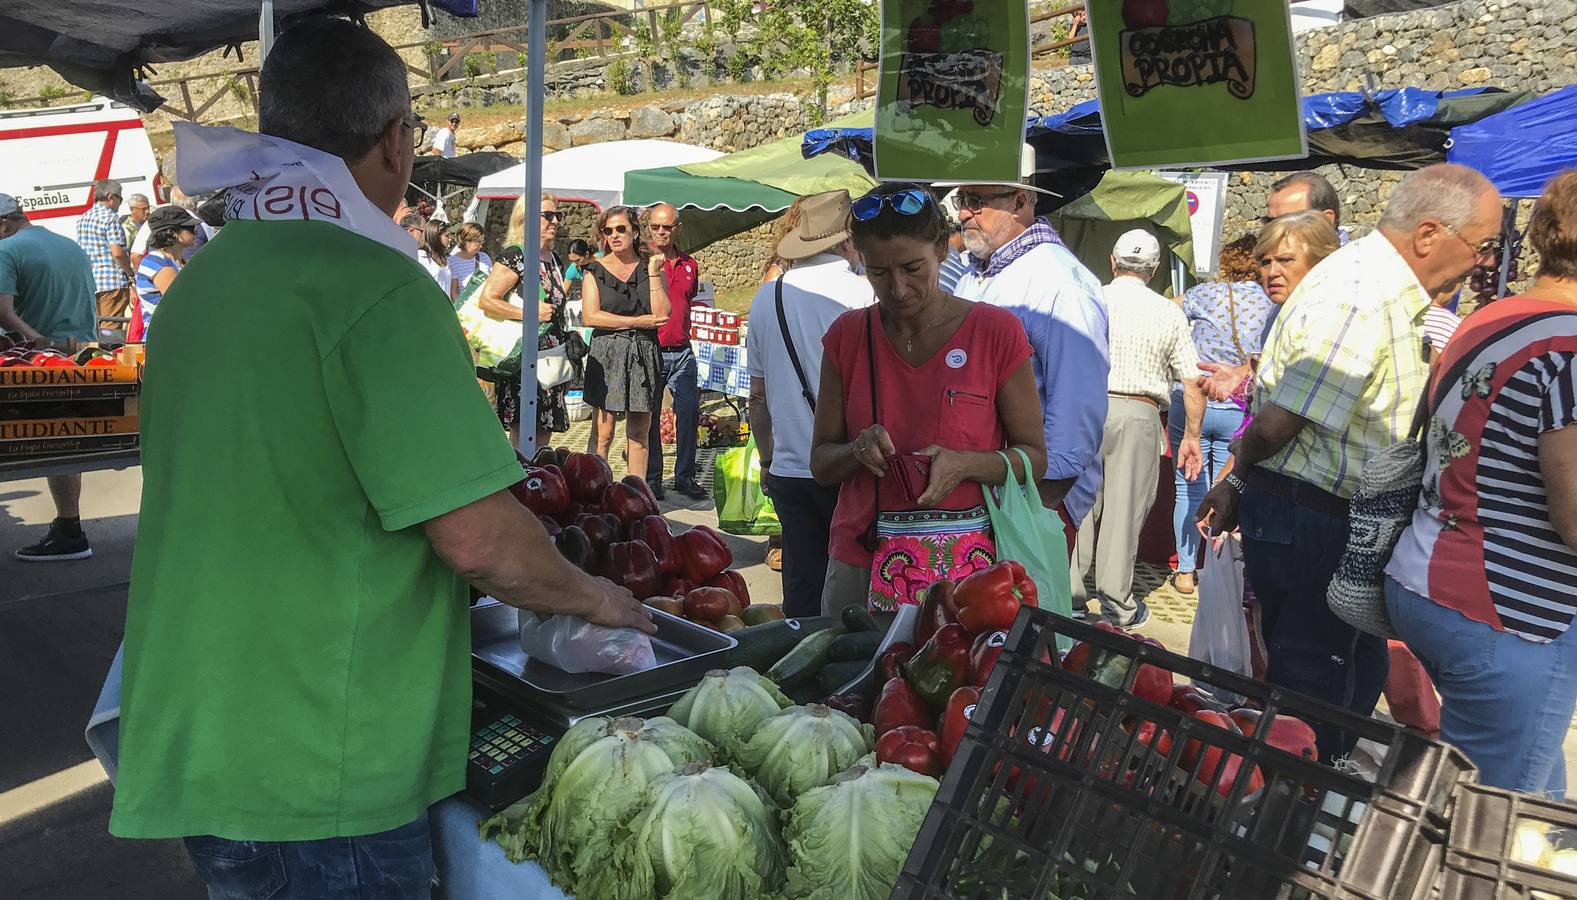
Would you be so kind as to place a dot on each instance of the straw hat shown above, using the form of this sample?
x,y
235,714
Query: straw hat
x,y
823,224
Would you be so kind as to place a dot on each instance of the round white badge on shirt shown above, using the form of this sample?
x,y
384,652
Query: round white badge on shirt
x,y
956,358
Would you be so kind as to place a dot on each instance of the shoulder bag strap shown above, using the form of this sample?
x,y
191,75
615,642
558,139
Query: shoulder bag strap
x,y
870,359
788,341
1232,315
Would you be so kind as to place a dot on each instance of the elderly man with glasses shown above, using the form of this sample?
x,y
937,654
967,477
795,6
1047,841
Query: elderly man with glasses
x,y
101,236
1017,261
1343,370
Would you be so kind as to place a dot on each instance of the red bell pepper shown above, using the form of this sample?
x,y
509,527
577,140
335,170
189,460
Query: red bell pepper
x,y
702,553
626,503
1153,683
899,705
983,656
1189,699
854,704
654,531
937,608
570,513
960,707
599,530
1288,733
645,490
708,604
576,547
1098,663
632,564
733,582
588,476
941,666
551,527
989,599
541,491
546,456
891,663
677,586
916,749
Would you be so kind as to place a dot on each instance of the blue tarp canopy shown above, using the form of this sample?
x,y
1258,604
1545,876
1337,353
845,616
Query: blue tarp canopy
x,y
1522,148
1400,128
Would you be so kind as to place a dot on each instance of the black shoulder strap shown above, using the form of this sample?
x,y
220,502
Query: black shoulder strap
x,y
788,341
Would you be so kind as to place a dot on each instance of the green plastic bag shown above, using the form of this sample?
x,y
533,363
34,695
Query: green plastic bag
x,y
1030,534
742,507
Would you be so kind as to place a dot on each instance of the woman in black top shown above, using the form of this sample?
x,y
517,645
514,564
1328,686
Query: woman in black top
x,y
624,302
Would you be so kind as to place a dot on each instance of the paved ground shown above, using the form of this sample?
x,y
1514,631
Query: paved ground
x,y
59,627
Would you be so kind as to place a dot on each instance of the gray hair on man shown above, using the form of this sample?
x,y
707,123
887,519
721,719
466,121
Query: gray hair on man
x,y
105,188
1444,192
332,85
135,199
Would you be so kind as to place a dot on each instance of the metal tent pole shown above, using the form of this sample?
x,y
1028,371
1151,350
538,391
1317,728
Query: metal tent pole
x,y
531,283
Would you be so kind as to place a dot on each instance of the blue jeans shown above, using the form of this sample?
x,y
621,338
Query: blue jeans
x,y
1505,701
390,865
679,376
1290,552
1215,433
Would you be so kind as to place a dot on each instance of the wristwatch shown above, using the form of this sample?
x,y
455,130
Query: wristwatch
x,y
1236,483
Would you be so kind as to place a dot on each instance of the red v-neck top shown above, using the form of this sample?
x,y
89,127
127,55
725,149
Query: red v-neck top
x,y
949,400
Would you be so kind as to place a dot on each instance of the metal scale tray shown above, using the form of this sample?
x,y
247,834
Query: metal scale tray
x,y
685,652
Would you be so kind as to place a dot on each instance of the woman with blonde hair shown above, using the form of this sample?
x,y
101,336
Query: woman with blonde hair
x,y
501,300
777,265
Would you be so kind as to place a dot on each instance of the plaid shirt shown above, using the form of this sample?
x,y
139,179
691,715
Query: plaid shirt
x,y
1347,353
1039,233
97,230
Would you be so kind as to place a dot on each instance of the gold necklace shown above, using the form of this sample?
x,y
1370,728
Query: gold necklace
x,y
908,346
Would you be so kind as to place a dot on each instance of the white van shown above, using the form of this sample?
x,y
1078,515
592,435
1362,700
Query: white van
x,y
49,158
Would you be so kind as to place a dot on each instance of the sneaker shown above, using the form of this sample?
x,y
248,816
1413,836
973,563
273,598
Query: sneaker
x,y
657,488
690,489
56,546
1086,615
1141,617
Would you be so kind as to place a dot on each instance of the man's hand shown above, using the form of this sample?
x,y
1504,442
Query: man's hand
x,y
1222,382
1218,512
871,448
1190,458
544,312
614,606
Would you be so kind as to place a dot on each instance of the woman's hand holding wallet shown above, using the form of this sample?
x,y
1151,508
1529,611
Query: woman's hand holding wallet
x,y
872,448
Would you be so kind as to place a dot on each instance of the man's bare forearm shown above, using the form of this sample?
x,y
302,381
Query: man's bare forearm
x,y
1271,431
501,549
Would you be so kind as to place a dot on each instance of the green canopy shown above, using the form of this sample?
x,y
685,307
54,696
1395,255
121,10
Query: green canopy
x,y
1122,201
739,191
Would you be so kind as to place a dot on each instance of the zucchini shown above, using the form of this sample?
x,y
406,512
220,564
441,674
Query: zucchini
x,y
762,645
855,646
835,675
805,660
857,618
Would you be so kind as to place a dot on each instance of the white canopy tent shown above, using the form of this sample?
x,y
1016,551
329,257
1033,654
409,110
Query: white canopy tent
x,y
593,173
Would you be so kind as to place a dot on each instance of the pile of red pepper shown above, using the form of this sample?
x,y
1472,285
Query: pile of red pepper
x,y
614,529
933,684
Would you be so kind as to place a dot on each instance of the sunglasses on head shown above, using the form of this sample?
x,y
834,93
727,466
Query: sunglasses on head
x,y
904,203
551,216
610,230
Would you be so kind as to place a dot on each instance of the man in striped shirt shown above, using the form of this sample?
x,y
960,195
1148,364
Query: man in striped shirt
x,y
1344,367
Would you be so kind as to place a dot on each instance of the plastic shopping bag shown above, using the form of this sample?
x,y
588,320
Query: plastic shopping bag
x,y
742,507
1220,636
575,645
1028,533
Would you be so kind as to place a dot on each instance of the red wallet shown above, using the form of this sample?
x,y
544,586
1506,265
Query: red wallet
x,y
911,474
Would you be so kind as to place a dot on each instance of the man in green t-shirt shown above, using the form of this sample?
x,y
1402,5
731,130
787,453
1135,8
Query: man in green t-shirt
x,y
46,295
321,479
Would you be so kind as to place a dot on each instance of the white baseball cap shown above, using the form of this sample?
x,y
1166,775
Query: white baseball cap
x,y
1138,247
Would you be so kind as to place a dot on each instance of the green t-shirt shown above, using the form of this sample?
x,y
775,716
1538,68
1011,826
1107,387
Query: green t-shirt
x,y
52,281
297,656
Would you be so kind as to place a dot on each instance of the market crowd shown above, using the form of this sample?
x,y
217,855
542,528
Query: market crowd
x,y
911,351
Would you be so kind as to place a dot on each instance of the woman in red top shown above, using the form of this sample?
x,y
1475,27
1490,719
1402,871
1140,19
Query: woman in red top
x,y
951,385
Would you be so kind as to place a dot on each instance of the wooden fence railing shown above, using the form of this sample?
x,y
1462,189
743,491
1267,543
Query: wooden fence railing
x,y
866,71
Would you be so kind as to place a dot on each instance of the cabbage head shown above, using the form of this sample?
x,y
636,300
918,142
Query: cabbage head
x,y
849,840
705,834
726,707
596,779
803,747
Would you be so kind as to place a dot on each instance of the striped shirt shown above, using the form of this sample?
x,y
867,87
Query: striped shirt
x,y
1439,325
98,229
462,268
953,268
148,294
1346,353
1481,541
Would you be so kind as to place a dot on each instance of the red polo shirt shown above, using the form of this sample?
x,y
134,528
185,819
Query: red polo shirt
x,y
682,280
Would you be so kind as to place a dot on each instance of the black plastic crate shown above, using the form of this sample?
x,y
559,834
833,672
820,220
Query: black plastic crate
x,y
1486,858
1053,795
